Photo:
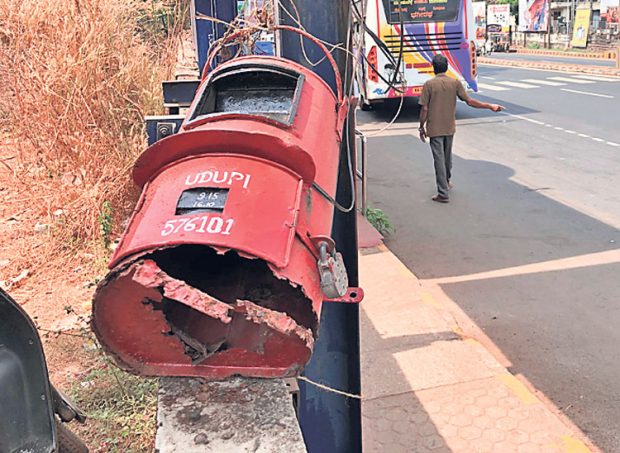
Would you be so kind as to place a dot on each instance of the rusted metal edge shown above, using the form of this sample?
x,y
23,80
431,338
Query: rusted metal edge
x,y
149,274
278,321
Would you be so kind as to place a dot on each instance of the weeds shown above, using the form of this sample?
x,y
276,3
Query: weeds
x,y
379,220
120,407
105,222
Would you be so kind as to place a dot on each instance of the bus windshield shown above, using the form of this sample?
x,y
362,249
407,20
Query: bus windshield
x,y
421,11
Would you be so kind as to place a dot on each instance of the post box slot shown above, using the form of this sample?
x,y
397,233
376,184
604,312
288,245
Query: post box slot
x,y
267,92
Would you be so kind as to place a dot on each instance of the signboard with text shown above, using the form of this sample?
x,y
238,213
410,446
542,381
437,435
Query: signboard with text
x,y
499,15
581,28
422,11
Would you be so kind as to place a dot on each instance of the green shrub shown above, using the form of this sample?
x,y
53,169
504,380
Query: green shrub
x,y
379,220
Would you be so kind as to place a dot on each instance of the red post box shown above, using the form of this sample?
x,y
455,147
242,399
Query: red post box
x,y
216,273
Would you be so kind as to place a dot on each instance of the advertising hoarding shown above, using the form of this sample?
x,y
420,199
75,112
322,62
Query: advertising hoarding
x,y
499,15
480,21
581,27
534,15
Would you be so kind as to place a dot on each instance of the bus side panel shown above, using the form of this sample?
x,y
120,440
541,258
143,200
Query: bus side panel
x,y
375,88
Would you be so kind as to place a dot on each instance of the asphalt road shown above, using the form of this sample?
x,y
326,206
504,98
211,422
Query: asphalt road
x,y
554,59
537,201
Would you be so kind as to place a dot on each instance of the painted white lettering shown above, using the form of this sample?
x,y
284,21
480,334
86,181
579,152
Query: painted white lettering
x,y
228,178
206,176
203,224
190,180
220,178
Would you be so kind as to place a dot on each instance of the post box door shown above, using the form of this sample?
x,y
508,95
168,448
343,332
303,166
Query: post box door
x,y
225,201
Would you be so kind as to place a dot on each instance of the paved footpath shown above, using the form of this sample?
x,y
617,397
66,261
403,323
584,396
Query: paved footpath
x,y
432,382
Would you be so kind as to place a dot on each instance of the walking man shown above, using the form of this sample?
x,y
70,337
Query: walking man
x,y
437,120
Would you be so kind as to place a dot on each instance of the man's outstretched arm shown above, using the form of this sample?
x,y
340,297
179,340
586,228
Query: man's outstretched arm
x,y
483,105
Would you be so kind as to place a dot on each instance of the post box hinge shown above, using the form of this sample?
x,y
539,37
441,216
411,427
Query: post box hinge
x,y
353,296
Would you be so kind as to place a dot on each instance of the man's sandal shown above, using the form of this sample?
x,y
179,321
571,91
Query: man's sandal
x,y
440,199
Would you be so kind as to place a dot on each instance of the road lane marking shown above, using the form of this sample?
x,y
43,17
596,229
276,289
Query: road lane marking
x,y
487,77
570,80
587,93
561,264
598,78
543,82
530,120
485,86
561,129
517,84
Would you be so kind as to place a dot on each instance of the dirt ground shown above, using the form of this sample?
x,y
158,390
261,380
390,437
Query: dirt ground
x,y
55,287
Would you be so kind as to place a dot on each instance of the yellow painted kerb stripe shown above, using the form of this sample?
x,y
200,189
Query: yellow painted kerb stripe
x,y
428,299
573,445
518,388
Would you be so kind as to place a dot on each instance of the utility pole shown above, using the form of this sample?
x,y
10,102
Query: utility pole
x,y
331,422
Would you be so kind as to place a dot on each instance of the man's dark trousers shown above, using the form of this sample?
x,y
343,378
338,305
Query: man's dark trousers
x,y
442,155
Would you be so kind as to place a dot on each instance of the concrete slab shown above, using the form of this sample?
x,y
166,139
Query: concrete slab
x,y
236,416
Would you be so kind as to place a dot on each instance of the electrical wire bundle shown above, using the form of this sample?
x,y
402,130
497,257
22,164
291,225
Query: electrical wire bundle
x,y
242,33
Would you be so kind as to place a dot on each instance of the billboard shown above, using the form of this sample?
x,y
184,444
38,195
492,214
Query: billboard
x,y
499,15
480,21
534,15
581,27
612,16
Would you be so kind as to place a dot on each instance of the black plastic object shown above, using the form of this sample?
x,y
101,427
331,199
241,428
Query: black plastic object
x,y
27,418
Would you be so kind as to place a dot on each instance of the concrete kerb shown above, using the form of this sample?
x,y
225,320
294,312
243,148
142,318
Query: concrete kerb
x,y
409,359
549,66
601,55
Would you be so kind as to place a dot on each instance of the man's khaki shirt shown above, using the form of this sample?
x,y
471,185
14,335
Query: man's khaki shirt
x,y
439,95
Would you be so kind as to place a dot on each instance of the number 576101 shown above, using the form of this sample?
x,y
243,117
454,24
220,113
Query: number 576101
x,y
204,224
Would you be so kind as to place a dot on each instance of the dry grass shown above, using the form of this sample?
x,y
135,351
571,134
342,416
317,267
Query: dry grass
x,y
77,78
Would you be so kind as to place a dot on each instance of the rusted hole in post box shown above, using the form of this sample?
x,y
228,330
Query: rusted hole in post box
x,y
230,279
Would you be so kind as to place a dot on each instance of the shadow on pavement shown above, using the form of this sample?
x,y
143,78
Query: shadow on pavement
x,y
557,325
395,421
